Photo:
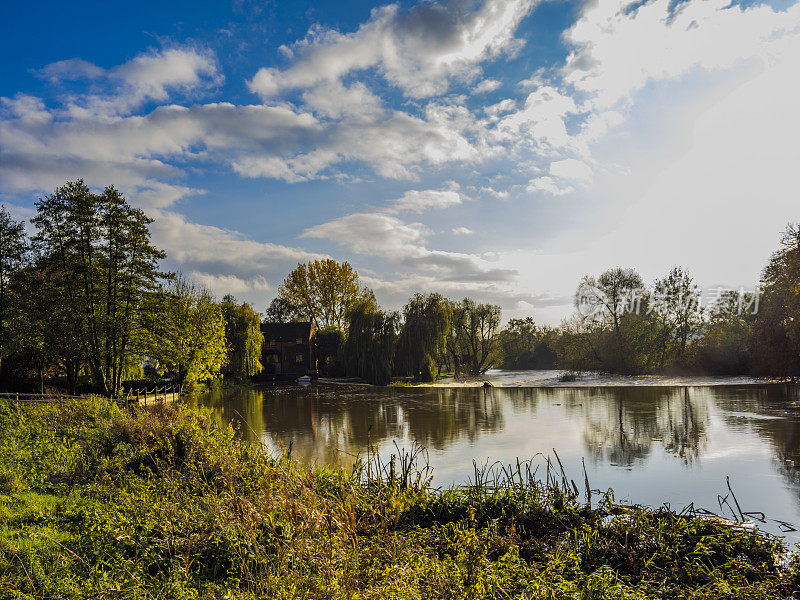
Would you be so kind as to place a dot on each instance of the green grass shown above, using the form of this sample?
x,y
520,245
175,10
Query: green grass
x,y
96,502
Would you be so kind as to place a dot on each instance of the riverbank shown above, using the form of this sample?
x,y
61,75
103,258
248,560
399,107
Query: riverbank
x,y
557,378
100,502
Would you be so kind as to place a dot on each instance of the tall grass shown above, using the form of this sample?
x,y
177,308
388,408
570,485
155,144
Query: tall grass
x,y
97,502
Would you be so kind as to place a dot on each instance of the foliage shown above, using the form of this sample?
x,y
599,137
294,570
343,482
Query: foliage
x,y
280,310
325,292
96,249
370,344
472,338
423,337
524,345
328,347
13,255
244,338
96,502
777,339
676,301
187,332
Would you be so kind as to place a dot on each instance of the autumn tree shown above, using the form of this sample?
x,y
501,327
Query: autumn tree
x,y
423,337
244,338
325,292
186,332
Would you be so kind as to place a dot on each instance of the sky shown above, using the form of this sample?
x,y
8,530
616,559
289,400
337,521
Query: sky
x,y
496,149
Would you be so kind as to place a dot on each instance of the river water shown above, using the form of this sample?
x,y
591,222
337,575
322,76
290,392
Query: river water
x,y
651,443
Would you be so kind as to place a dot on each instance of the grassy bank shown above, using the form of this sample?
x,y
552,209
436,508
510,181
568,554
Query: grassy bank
x,y
96,502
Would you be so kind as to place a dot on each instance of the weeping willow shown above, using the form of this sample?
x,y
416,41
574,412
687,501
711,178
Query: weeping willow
x,y
244,338
370,342
423,337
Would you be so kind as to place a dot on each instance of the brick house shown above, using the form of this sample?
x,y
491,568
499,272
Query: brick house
x,y
288,349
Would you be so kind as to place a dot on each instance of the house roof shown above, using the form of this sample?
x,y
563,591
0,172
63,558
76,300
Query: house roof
x,y
286,332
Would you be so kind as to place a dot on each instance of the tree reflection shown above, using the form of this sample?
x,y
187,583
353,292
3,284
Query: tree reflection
x,y
333,424
771,411
623,424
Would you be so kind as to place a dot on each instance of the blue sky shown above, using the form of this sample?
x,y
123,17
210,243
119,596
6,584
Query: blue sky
x,y
499,149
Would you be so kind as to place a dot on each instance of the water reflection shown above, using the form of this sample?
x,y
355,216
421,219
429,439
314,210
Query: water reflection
x,y
650,444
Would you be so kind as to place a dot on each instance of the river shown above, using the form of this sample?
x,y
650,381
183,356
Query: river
x,y
652,443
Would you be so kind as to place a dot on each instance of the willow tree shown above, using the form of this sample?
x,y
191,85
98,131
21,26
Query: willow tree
x,y
186,332
325,292
104,266
370,343
472,339
244,338
13,252
423,337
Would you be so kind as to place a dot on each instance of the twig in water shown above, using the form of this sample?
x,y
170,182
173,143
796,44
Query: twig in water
x,y
739,508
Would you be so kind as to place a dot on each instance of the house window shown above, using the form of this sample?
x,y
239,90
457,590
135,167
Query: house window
x,y
298,359
272,342
299,341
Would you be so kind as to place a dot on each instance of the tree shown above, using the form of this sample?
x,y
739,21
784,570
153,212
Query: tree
x,y
244,338
776,343
423,336
473,335
13,254
611,295
611,306
105,265
676,301
370,343
186,332
280,310
325,292
328,346
524,345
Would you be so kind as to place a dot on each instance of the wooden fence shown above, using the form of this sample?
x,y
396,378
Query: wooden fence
x,y
155,395
23,397
167,393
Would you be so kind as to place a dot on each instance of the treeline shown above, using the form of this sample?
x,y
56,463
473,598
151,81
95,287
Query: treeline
x,y
83,304
623,326
354,337
620,325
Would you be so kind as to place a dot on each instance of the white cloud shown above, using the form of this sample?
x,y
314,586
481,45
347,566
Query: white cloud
x,y
393,240
618,50
571,168
486,86
419,51
421,200
548,185
542,118
242,289
148,76
462,231
216,250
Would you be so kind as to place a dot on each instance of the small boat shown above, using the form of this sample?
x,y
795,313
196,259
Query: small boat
x,y
304,379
